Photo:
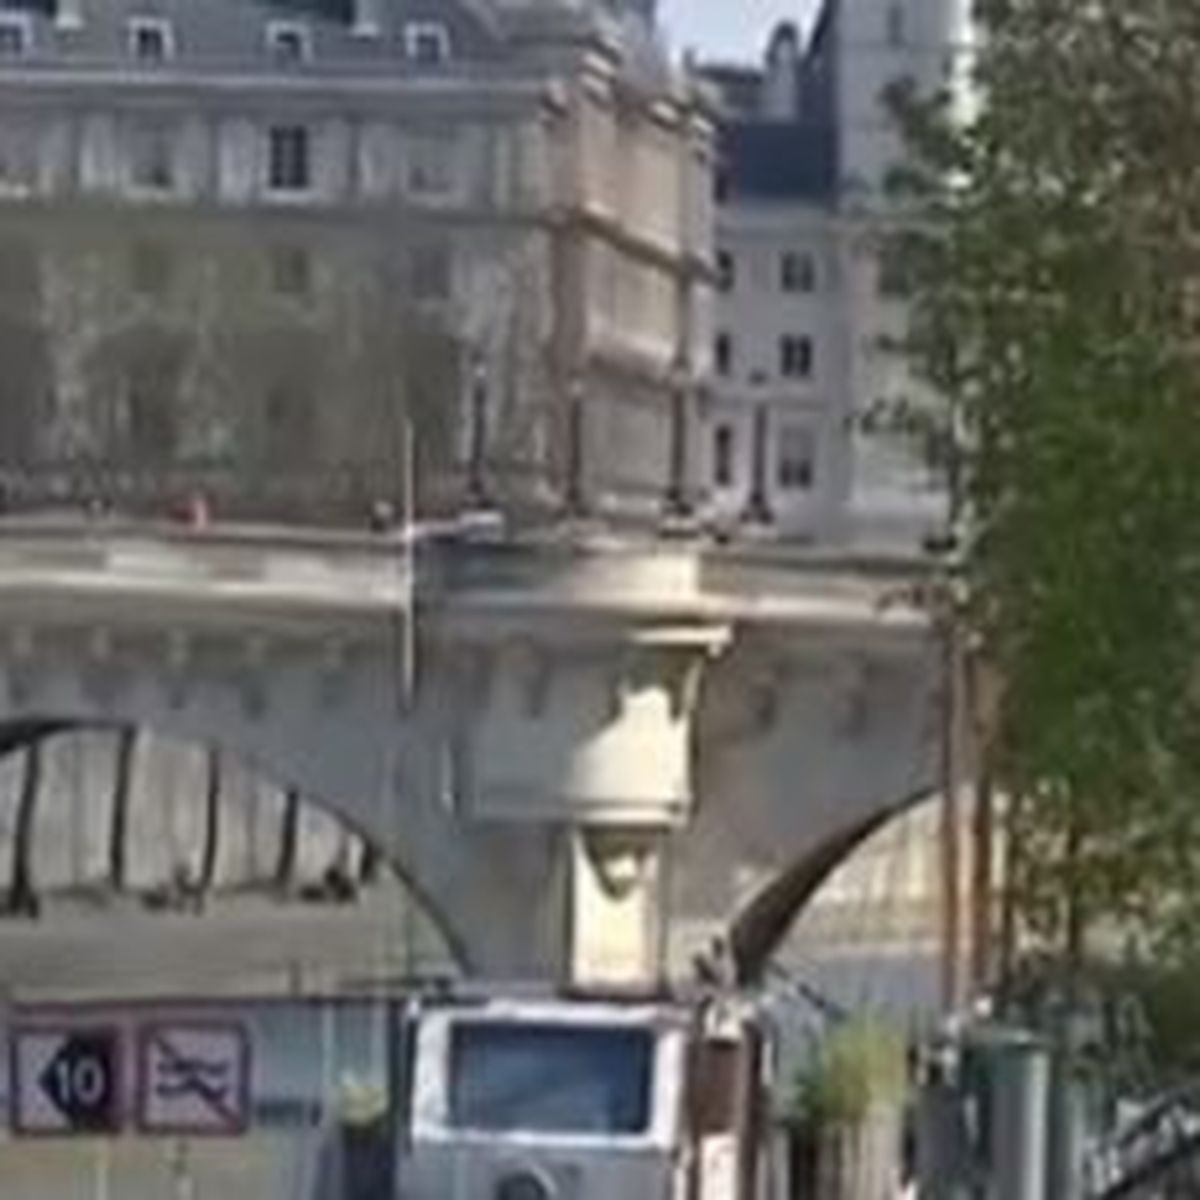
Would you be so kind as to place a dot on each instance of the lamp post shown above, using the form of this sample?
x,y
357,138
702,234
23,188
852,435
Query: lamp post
x,y
758,508
477,492
676,502
573,497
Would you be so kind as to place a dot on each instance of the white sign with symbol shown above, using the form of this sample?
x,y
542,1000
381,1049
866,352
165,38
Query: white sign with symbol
x,y
194,1079
65,1080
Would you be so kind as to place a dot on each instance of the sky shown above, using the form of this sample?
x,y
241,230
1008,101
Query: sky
x,y
729,29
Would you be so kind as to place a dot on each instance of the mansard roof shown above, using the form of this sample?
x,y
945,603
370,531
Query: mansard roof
x,y
782,156
232,34
234,30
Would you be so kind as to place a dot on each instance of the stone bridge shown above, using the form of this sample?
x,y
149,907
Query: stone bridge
x,y
588,755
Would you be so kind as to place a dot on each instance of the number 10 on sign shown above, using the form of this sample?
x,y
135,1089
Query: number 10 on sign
x,y
65,1081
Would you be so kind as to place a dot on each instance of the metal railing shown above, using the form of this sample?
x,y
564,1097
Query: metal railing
x,y
1154,1156
347,493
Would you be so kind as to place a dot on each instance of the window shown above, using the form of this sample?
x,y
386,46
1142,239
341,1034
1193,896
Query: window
x,y
150,40
797,272
795,452
429,160
291,271
288,43
550,1079
429,272
14,35
151,157
795,356
149,268
723,445
723,353
289,168
726,271
426,43
895,31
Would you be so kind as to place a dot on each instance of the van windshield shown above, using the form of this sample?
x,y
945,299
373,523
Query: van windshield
x,y
550,1078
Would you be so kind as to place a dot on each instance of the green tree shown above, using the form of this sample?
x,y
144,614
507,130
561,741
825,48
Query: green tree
x,y
1055,254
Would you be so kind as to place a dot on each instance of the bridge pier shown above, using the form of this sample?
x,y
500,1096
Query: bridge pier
x,y
584,728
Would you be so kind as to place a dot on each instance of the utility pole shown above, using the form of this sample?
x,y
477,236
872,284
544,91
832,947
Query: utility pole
x,y
955,703
951,824
983,846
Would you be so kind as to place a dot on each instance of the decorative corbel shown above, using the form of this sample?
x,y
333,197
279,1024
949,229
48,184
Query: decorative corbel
x,y
333,669
475,672
856,680
534,669
99,664
676,668
252,674
21,653
100,646
629,671
179,664
767,688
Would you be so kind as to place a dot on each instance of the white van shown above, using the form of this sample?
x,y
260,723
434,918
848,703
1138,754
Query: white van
x,y
581,1100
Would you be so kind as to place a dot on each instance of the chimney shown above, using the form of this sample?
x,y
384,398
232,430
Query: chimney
x,y
780,98
366,18
68,14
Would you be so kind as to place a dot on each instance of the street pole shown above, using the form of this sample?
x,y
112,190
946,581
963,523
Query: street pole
x,y
1067,1099
676,500
758,507
1020,1069
477,493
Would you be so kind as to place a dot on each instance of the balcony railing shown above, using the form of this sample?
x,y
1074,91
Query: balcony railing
x,y
352,494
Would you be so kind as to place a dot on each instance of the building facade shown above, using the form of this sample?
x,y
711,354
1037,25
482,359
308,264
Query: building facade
x,y
797,437
275,250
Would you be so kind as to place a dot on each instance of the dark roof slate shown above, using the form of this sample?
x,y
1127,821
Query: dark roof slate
x,y
780,160
793,159
233,30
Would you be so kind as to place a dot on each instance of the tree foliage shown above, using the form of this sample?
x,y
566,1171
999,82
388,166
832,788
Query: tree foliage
x,y
861,1065
1056,266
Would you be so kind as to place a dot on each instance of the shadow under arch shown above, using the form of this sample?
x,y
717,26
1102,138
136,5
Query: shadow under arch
x,y
18,735
761,926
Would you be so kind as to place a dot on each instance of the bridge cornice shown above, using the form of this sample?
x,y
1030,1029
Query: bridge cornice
x,y
272,577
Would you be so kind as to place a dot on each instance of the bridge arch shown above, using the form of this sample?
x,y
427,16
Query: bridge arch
x,y
225,835
331,731
759,929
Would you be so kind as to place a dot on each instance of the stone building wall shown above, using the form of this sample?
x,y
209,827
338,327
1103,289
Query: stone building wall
x,y
216,264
